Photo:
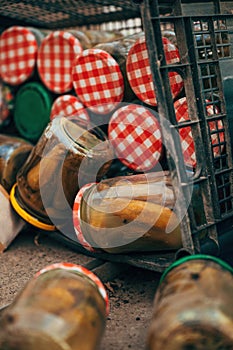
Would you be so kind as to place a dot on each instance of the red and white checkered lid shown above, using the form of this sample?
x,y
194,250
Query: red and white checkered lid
x,y
187,143
70,106
55,60
139,71
82,271
18,54
98,81
77,218
136,137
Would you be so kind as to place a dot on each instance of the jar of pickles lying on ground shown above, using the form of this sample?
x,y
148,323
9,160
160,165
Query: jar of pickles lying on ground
x,y
13,154
63,307
65,158
128,213
193,307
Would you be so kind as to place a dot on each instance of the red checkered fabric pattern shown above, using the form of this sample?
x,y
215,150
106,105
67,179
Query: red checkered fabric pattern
x,y
77,218
98,81
18,54
55,60
187,143
139,71
136,137
70,106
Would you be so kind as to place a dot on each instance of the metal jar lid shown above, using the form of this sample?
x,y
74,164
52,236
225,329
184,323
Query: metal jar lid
x,y
196,257
187,143
97,80
18,54
81,270
25,215
136,137
70,106
32,110
77,218
139,71
55,59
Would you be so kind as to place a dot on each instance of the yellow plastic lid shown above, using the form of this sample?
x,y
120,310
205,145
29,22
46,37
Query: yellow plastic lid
x,y
26,216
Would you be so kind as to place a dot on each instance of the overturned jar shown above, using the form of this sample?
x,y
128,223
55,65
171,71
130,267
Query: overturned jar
x,y
193,307
64,159
128,213
13,154
63,307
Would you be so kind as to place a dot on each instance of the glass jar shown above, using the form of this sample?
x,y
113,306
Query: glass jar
x,y
119,50
193,307
64,159
136,137
139,71
6,104
63,307
13,154
128,213
98,81
102,36
94,72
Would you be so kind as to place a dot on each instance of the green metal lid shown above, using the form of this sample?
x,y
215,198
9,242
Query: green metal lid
x,y
32,110
196,257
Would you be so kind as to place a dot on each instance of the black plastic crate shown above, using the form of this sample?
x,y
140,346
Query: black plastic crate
x,y
57,14
204,39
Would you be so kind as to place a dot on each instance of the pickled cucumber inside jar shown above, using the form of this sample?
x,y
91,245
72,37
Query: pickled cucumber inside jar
x,y
193,307
65,157
13,154
63,307
124,214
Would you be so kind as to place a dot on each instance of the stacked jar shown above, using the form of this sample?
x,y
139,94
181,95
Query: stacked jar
x,y
139,71
13,153
6,104
18,66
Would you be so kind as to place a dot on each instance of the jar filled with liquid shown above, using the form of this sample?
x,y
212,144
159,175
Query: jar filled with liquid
x,y
63,307
193,307
64,159
128,213
13,154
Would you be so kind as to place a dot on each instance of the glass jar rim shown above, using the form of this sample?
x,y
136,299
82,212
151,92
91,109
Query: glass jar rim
x,y
219,261
73,131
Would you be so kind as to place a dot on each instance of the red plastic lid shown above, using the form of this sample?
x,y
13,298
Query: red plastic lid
x,y
67,106
139,72
76,218
187,144
81,270
97,80
18,54
55,60
136,137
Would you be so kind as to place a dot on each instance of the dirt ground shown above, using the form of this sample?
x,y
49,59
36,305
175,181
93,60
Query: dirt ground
x,y
131,294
